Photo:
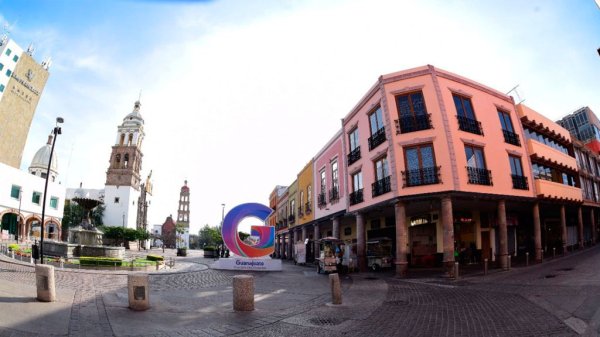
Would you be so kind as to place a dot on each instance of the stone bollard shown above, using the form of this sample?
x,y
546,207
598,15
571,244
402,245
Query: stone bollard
x,y
485,266
456,275
138,287
44,276
62,263
527,259
509,261
157,265
12,254
554,252
336,289
243,293
31,259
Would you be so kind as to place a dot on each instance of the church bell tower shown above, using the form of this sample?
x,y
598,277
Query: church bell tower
x,y
122,188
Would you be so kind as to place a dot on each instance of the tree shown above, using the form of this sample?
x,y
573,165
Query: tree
x,y
113,233
142,235
209,236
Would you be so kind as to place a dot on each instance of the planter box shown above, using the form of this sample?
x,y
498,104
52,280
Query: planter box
x,y
181,252
210,253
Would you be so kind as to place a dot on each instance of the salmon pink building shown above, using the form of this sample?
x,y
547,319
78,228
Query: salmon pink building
x,y
451,171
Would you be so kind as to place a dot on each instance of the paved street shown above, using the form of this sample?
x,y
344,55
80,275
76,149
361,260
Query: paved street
x,y
557,298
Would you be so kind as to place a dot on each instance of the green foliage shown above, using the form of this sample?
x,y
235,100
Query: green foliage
x,y
142,234
14,247
130,234
100,261
153,257
210,248
243,235
209,236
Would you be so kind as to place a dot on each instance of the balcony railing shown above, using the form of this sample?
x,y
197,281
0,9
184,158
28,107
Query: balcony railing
x,y
321,200
292,218
381,186
354,155
300,213
334,194
356,197
424,176
511,138
479,176
406,124
377,138
307,208
519,182
469,125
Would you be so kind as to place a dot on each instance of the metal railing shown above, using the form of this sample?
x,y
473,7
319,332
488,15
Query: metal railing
x,y
469,125
354,155
334,194
511,137
519,182
406,124
356,197
479,176
381,186
423,176
321,201
377,138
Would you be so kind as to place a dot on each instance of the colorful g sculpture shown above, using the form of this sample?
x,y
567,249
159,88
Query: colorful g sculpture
x,y
266,234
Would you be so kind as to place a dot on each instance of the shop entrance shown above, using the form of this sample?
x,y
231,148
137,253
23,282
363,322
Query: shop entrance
x,y
423,244
9,223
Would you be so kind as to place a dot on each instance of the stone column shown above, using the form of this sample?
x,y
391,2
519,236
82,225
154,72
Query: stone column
x,y
537,232
290,246
361,243
448,227
282,246
336,227
503,253
401,239
593,219
563,227
303,234
316,242
277,245
580,226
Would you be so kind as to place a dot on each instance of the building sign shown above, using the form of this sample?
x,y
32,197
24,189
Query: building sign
x,y
26,84
420,220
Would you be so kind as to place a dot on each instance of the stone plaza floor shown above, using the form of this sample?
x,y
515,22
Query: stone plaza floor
x,y
560,297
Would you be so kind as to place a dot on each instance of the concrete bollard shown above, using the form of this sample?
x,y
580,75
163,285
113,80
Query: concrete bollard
x,y
456,275
527,259
157,265
509,261
336,289
12,254
485,266
138,287
554,252
243,293
31,259
62,263
44,276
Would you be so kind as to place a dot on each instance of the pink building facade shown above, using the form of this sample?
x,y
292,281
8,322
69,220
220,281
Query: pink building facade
x,y
451,171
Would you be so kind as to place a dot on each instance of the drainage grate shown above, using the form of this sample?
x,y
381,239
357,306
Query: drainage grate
x,y
396,302
550,276
565,269
371,278
324,321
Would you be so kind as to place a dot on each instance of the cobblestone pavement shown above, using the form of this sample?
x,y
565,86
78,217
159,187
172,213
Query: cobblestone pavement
x,y
557,298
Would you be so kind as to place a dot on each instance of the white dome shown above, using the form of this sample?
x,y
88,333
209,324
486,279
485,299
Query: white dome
x,y
41,157
134,118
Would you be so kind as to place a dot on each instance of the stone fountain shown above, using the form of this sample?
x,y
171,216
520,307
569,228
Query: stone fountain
x,y
84,239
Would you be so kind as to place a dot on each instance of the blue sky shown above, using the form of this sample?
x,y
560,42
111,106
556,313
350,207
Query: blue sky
x,y
226,84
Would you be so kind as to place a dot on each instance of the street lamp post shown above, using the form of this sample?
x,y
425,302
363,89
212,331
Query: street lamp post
x,y
56,131
19,216
222,216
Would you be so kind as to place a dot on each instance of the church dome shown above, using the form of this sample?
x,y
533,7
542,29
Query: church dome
x,y
134,118
39,164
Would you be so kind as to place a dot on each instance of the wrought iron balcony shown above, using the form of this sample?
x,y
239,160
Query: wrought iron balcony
x,y
424,176
307,208
356,197
479,176
469,125
354,155
321,200
334,194
300,213
292,218
381,186
511,138
519,182
408,124
377,138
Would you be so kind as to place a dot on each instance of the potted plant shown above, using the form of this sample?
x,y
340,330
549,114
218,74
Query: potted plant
x,y
182,251
210,251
